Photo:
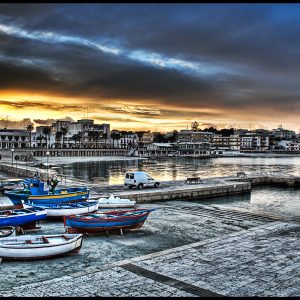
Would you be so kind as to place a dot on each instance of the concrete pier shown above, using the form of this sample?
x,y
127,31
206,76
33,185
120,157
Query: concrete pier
x,y
187,192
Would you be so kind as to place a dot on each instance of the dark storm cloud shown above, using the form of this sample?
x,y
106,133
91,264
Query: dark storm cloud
x,y
247,54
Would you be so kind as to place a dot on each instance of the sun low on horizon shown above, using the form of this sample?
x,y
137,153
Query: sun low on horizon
x,y
156,67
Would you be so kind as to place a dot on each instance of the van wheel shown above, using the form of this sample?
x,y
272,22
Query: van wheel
x,y
156,184
130,186
140,186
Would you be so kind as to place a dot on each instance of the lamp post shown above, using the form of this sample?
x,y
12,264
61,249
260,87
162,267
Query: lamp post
x,y
47,154
12,157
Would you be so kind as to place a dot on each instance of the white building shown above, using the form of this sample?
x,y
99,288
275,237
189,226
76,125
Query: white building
x,y
194,136
14,138
232,142
254,142
194,149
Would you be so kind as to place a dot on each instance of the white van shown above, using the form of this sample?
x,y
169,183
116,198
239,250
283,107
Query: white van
x,y
139,180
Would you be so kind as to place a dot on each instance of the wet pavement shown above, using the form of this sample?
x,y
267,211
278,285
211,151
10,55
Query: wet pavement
x,y
261,261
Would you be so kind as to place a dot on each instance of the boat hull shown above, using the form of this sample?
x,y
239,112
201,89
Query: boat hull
x,y
32,251
17,220
7,231
115,205
84,224
55,211
49,199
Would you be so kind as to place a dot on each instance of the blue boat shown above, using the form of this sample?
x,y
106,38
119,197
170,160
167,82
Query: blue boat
x,y
107,221
17,217
34,192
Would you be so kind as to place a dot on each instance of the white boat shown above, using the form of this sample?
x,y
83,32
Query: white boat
x,y
67,209
7,231
115,201
39,246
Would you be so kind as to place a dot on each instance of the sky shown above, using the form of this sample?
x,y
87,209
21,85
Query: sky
x,y
154,67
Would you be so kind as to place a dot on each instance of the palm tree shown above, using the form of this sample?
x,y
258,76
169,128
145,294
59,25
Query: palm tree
x,y
29,129
58,136
64,131
113,135
91,137
105,136
47,133
97,136
79,136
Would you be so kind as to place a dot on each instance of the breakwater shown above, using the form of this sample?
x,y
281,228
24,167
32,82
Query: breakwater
x,y
188,192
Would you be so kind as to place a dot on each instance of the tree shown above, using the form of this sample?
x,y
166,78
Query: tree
x,y
195,126
64,131
58,136
97,136
159,138
47,133
211,129
40,139
226,132
173,137
115,136
79,137
29,129
105,136
91,136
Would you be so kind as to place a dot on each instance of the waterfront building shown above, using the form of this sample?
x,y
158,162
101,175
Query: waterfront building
x,y
147,138
14,138
194,149
157,150
194,136
283,133
83,133
232,142
39,138
128,140
254,142
287,145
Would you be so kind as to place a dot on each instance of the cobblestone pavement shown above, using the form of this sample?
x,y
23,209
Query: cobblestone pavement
x,y
261,261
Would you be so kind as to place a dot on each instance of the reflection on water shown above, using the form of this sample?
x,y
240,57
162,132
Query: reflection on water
x,y
277,200
112,172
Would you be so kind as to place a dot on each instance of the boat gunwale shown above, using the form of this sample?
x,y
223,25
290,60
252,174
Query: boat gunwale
x,y
82,218
43,245
45,206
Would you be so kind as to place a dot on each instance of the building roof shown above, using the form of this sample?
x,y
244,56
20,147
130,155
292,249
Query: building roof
x,y
162,144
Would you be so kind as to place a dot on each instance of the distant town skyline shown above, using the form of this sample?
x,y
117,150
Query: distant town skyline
x,y
151,66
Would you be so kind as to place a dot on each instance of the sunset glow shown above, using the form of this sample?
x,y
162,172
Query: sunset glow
x,y
222,65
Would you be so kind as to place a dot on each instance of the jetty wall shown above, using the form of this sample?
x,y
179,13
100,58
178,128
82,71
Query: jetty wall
x,y
198,191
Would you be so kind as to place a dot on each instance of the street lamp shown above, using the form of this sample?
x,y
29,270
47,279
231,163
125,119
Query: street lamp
x,y
47,154
12,157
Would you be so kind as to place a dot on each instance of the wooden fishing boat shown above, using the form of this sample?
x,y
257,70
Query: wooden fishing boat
x,y
34,191
115,201
17,217
39,246
67,209
7,231
107,221
9,184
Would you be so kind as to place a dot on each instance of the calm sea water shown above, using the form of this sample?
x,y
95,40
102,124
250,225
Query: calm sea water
x,y
112,172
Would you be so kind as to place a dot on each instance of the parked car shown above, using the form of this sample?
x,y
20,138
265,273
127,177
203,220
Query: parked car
x,y
140,180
